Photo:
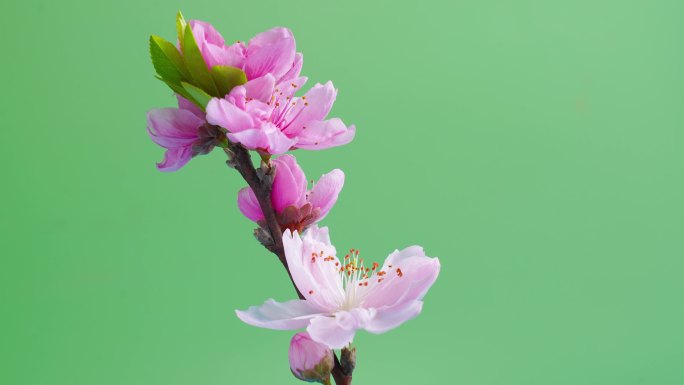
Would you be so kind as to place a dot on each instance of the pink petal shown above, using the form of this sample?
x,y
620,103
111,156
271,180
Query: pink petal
x,y
205,32
258,110
223,113
289,184
288,315
296,69
185,104
320,235
211,45
319,135
260,88
249,205
289,87
325,192
175,158
272,52
418,273
314,273
222,56
338,331
172,127
314,106
388,318
267,138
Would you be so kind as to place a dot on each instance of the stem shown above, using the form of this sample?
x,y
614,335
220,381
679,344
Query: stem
x,y
242,161
261,185
338,374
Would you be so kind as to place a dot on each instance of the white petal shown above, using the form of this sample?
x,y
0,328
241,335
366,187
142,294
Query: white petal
x,y
409,274
314,273
338,331
390,317
288,315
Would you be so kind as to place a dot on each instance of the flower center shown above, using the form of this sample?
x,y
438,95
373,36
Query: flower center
x,y
358,279
283,106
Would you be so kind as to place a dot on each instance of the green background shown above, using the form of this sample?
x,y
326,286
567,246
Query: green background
x,y
534,146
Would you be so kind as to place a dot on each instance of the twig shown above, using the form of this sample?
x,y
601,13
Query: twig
x,y
261,181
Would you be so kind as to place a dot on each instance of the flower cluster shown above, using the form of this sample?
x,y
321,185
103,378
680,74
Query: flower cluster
x,y
242,97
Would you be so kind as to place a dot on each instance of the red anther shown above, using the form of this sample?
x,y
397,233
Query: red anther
x,y
365,284
381,273
399,273
375,265
313,259
311,292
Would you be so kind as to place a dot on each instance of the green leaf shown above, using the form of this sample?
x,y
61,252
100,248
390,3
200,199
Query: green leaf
x,y
178,88
196,65
227,77
180,27
167,61
198,95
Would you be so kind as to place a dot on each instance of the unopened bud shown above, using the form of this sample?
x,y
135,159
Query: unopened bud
x,y
309,360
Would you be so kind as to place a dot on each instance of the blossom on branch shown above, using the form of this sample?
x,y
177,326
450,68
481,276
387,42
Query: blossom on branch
x,y
342,296
295,206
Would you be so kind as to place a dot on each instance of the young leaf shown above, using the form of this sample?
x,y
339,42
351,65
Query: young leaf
x,y
198,95
196,65
178,88
180,27
167,61
227,77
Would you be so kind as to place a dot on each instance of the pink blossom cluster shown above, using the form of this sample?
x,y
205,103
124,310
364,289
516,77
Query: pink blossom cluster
x,y
340,294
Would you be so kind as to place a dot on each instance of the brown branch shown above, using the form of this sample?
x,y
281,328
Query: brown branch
x,y
338,373
260,181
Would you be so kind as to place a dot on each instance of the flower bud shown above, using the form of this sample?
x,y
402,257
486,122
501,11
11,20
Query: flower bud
x,y
309,360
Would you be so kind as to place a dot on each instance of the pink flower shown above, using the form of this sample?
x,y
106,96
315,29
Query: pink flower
x,y
296,207
214,51
344,296
183,132
309,360
177,130
271,52
266,116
